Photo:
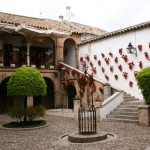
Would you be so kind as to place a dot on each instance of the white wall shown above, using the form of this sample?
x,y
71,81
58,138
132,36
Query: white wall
x,y
113,44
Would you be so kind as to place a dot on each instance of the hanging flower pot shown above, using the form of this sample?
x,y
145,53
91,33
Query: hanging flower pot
x,y
125,74
103,70
116,76
73,72
87,57
111,54
120,51
140,64
116,59
67,70
106,76
146,55
120,67
95,57
131,64
101,89
130,83
99,62
111,68
140,47
125,58
81,59
107,61
103,55
91,64
94,69
135,73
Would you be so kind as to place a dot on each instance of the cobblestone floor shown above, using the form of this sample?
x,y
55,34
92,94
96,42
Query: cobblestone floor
x,y
129,136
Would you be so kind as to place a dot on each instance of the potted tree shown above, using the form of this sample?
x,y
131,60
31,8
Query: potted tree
x,y
143,82
24,82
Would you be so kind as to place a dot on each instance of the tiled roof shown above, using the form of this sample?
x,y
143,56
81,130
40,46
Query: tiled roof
x,y
109,34
50,24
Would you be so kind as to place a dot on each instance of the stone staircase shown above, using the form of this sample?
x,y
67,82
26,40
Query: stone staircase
x,y
127,111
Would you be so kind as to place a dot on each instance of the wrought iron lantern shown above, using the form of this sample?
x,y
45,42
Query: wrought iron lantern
x,y
131,49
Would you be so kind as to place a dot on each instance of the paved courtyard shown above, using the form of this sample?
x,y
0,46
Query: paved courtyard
x,y
129,136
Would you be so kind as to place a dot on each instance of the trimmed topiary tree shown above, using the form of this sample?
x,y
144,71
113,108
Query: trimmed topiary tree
x,y
143,79
26,81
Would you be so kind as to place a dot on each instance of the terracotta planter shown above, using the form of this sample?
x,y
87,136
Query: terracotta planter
x,y
12,65
1,64
98,104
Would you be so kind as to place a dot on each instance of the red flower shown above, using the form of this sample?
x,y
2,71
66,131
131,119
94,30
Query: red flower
x,y
99,62
95,57
103,55
116,59
120,51
120,67
116,76
111,54
140,64
131,64
140,47
130,83
111,68
125,74
125,58
107,60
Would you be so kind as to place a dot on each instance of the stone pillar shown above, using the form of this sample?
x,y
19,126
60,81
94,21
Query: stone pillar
x,y
107,91
30,101
144,115
77,57
77,102
28,54
59,51
58,99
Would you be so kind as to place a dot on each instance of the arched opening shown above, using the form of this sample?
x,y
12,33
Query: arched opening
x,y
47,101
13,48
5,101
71,90
69,52
42,52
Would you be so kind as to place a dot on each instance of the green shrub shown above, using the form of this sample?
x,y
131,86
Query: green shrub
x,y
16,112
143,79
31,113
35,112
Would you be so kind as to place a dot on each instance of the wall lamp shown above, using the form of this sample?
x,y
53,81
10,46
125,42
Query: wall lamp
x,y
131,49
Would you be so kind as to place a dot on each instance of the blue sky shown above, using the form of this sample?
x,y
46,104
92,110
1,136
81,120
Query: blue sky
x,y
109,15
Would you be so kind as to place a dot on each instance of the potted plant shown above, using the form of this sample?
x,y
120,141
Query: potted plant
x,y
107,60
81,59
140,47
73,72
97,101
101,89
42,64
146,55
99,62
106,76
143,81
125,58
91,64
95,57
94,69
111,68
140,64
120,67
103,55
125,74
135,73
87,57
120,51
116,59
55,73
103,69
131,64
116,76
130,83
110,54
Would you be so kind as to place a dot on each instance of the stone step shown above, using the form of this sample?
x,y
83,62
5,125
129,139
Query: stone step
x,y
132,103
123,117
127,109
124,113
127,106
60,113
130,99
122,120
